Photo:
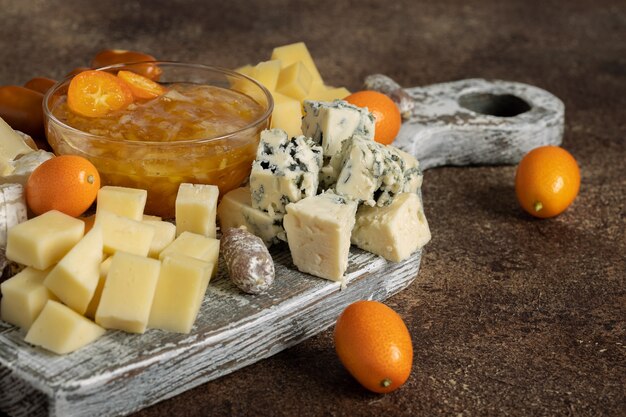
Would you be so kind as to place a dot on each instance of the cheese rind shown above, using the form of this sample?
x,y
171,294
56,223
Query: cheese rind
x,y
285,170
11,143
196,246
318,232
21,168
61,330
183,281
329,124
195,209
123,201
128,293
123,234
43,240
24,296
75,278
395,231
12,209
235,210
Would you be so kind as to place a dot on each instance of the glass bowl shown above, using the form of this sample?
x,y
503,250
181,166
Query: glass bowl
x,y
224,160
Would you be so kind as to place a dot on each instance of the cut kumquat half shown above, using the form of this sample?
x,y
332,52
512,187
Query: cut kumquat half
x,y
141,87
97,93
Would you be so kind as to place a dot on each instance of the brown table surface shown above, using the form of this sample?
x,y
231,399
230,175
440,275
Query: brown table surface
x,y
509,315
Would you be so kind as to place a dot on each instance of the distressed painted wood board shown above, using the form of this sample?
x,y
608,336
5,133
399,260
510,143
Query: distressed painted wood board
x,y
121,373
473,121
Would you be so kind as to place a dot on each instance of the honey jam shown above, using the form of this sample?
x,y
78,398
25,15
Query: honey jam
x,y
158,144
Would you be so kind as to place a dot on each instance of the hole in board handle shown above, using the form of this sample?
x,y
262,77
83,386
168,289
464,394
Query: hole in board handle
x,y
500,105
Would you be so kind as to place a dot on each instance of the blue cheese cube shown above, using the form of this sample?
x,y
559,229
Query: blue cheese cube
x,y
318,231
329,124
235,210
285,171
372,173
395,231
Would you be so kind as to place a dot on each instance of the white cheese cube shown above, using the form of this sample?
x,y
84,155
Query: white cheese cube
x,y
236,210
330,124
195,209
128,293
123,201
75,278
24,296
123,234
12,209
164,234
61,330
318,231
395,231
196,246
182,284
95,300
43,240
285,171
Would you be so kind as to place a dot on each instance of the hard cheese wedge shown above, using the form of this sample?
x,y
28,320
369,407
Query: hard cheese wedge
x,y
43,240
75,278
23,297
128,293
195,209
182,284
61,330
123,201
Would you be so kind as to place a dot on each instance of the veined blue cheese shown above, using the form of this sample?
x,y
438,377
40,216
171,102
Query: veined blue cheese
x,y
372,173
395,231
236,210
329,124
318,231
285,171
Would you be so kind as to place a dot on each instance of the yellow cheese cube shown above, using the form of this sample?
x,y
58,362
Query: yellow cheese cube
x,y
287,114
267,73
123,234
195,209
246,70
294,81
95,300
24,296
128,293
164,234
123,201
62,330
75,278
296,52
197,246
321,92
182,284
43,240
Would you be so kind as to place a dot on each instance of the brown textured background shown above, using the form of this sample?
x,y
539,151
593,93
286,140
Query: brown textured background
x,y
509,315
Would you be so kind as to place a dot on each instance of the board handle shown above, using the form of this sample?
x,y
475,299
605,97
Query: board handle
x,y
473,121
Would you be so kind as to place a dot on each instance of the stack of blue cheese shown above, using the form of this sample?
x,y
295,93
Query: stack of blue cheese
x,y
329,188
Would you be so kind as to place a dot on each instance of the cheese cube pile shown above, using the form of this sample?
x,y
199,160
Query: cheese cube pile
x,y
128,271
366,192
291,77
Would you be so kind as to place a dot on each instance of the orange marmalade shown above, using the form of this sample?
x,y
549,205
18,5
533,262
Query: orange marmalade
x,y
195,133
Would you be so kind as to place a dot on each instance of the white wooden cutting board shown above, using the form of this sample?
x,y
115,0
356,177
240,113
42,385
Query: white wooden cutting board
x,y
121,372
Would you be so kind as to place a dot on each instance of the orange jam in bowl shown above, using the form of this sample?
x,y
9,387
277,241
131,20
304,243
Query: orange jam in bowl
x,y
205,130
